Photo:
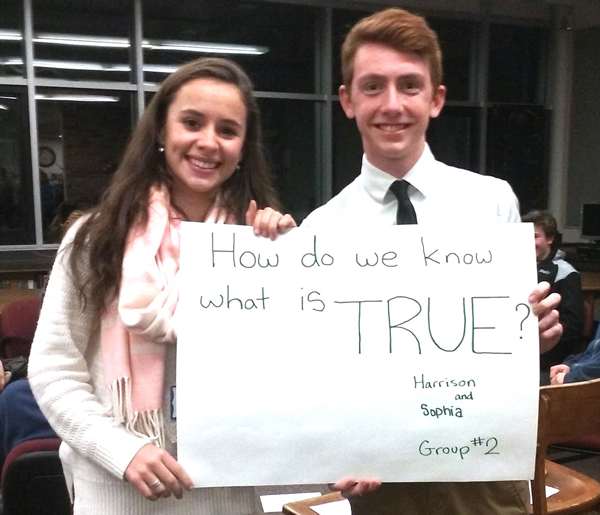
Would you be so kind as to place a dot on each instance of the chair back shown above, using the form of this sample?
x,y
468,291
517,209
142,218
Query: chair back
x,y
32,481
566,412
569,411
18,322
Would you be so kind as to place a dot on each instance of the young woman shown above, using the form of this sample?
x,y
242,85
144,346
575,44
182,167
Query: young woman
x,y
102,365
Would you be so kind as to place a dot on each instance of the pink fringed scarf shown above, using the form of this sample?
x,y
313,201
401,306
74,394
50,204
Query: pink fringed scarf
x,y
137,325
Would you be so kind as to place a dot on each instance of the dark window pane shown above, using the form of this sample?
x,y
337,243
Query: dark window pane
x,y
517,57
457,41
347,149
16,192
518,151
454,137
283,38
290,140
342,21
583,168
11,37
82,135
82,40
148,95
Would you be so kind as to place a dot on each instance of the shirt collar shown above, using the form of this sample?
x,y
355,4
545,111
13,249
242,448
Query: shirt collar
x,y
377,182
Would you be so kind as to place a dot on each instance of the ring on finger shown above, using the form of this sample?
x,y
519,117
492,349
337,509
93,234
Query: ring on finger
x,y
155,485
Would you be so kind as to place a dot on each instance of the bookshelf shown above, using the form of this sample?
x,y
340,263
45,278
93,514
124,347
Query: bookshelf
x,y
23,273
23,285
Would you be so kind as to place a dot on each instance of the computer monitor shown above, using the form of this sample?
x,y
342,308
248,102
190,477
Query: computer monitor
x,y
590,221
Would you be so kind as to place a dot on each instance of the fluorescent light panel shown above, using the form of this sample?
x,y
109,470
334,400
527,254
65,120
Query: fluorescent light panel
x,y
75,40
213,48
10,35
86,66
150,44
76,98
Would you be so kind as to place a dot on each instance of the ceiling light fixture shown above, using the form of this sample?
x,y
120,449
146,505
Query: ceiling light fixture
x,y
76,98
66,65
86,66
160,68
209,48
85,41
10,35
150,44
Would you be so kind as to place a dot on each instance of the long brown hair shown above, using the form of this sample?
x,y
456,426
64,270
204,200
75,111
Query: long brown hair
x,y
101,238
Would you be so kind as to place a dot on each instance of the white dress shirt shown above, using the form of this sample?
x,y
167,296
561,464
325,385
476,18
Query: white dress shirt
x,y
440,194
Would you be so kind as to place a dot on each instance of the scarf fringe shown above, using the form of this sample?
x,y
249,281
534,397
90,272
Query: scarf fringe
x,y
145,424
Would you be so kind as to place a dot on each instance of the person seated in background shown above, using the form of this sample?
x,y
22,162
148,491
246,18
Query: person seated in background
x,y
66,213
565,280
580,367
20,416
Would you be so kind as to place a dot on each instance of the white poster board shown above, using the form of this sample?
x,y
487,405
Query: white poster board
x,y
409,353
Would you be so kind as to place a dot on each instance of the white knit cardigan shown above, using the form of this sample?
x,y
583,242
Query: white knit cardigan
x,y
65,372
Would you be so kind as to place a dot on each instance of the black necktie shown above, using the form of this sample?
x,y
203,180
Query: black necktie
x,y
406,212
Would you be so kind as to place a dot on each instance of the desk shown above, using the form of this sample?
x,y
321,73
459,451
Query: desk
x,y
590,284
590,281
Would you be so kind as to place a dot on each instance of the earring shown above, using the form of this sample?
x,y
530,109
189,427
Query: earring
x,y
161,149
239,166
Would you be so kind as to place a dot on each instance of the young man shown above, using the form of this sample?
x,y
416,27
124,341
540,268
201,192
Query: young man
x,y
391,66
564,280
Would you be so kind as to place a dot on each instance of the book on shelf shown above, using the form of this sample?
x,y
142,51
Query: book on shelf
x,y
21,284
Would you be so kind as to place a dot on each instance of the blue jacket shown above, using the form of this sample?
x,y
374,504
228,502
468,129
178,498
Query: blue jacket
x,y
584,366
20,417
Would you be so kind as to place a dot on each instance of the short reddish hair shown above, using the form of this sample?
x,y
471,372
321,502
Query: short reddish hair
x,y
400,30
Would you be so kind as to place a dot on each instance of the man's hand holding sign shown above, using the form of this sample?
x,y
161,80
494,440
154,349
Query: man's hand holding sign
x,y
379,354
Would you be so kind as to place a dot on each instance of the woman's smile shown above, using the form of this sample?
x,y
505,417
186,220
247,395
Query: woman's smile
x,y
204,136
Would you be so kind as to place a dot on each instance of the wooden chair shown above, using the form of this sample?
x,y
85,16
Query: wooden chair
x,y
589,444
304,507
566,412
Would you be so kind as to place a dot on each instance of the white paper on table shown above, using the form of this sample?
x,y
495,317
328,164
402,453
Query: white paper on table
x,y
319,368
274,502
333,508
550,491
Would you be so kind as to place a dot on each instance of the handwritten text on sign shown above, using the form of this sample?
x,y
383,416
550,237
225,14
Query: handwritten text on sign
x,y
328,354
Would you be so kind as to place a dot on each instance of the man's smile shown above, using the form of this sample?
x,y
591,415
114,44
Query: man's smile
x,y
391,127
